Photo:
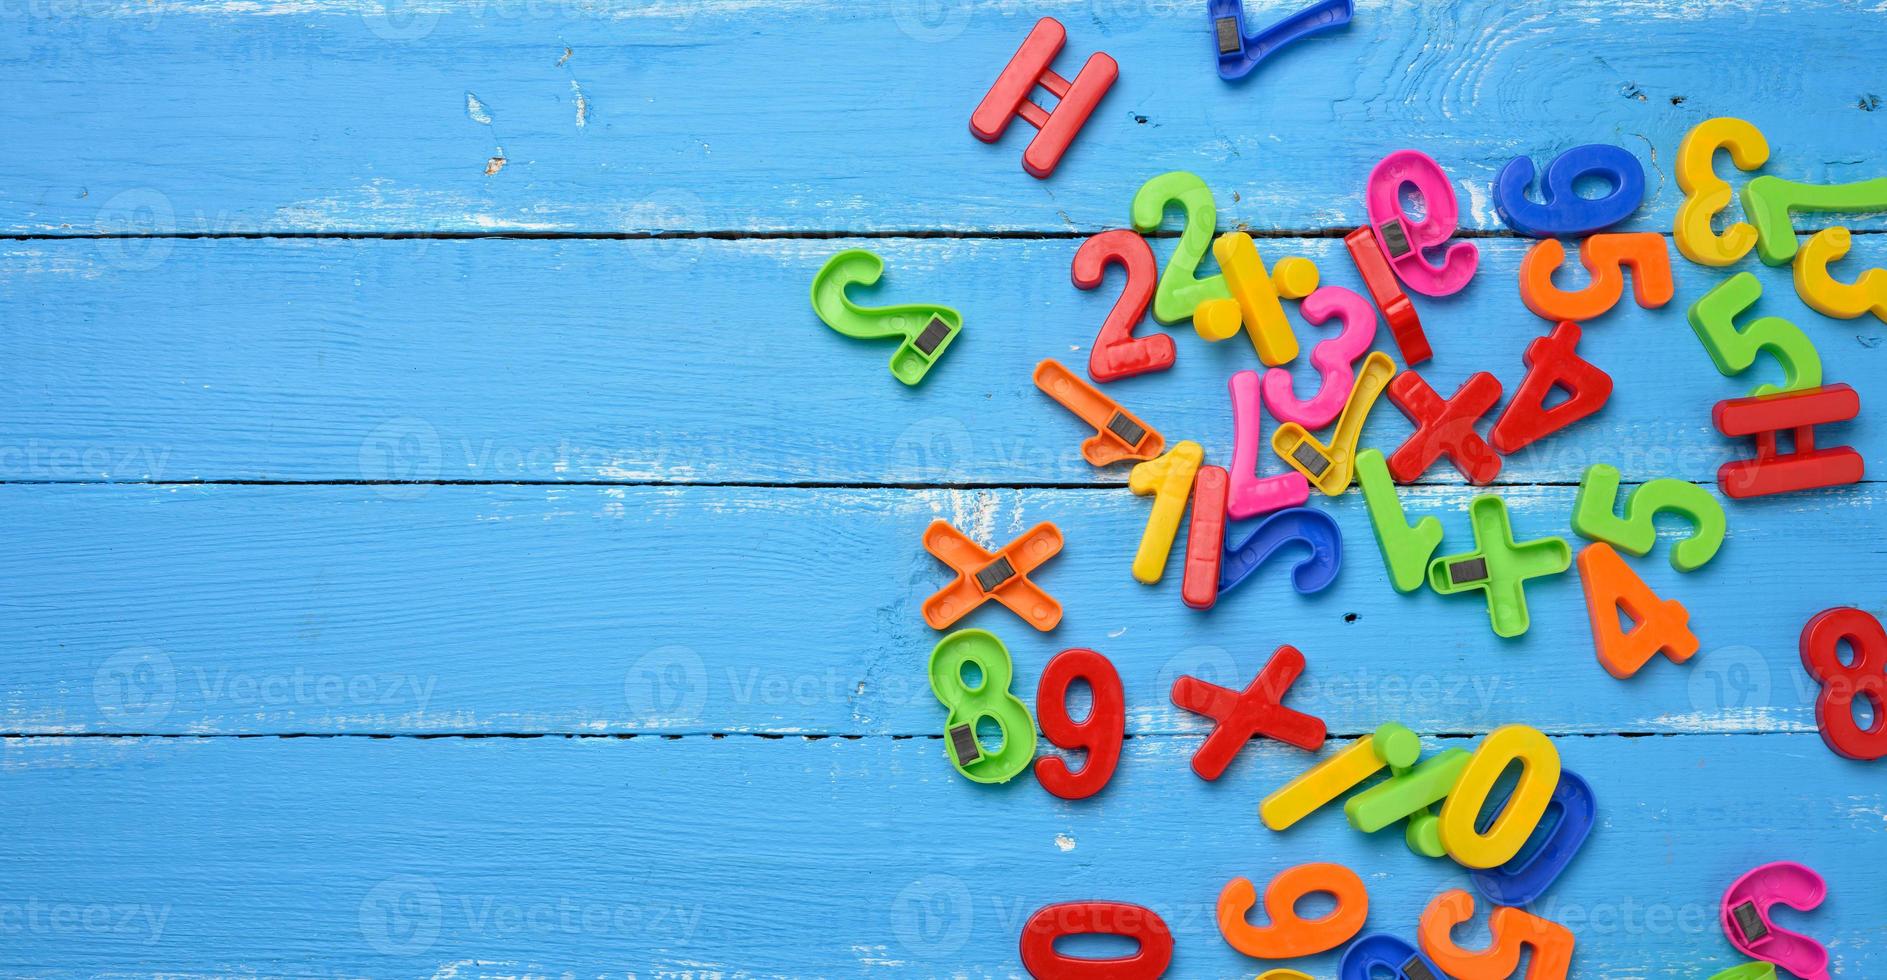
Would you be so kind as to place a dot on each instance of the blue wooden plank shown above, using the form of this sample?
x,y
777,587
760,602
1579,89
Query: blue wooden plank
x,y
750,857
353,115
247,609
702,362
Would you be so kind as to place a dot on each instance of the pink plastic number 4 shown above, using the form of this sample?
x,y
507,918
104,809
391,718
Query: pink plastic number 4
x,y
1252,494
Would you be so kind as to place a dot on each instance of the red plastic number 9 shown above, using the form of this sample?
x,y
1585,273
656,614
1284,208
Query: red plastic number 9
x,y
1100,733
1841,683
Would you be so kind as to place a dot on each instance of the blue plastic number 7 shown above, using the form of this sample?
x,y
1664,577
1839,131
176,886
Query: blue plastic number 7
x,y
1239,52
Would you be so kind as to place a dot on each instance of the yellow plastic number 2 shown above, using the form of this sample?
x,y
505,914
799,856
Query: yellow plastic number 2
x,y
1705,193
1829,296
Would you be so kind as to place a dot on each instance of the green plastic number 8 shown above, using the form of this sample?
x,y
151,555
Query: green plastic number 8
x,y
970,703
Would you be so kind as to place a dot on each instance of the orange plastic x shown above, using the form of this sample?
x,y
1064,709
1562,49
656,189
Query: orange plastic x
x,y
1002,575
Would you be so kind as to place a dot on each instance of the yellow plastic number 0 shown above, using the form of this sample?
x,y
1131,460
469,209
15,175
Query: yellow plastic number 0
x,y
1460,813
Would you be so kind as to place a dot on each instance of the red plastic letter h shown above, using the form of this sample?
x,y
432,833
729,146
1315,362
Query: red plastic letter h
x,y
1009,97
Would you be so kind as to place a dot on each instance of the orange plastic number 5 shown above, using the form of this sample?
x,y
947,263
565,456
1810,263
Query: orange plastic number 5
x,y
1511,928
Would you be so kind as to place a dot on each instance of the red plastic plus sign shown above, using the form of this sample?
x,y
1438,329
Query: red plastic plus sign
x,y
1445,427
1242,715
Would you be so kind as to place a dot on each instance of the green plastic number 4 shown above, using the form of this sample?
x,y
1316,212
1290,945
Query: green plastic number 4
x,y
1769,199
1498,566
1181,291
1405,548
1636,533
971,700
1734,349
926,329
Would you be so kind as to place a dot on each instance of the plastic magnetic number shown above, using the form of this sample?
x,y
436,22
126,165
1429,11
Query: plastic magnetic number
x,y
1865,677
1391,745
1706,194
1445,427
1335,359
1328,468
1410,792
1747,971
1498,566
1460,813
926,329
1381,951
1611,587
1254,297
1562,211
988,697
1205,538
1100,733
1553,363
1366,249
1406,548
1239,52
1511,929
1289,934
1169,480
1768,200
1570,815
1285,975
1605,257
1180,290
1299,525
1746,920
1636,532
1117,352
1135,922
1240,716
1118,433
1804,466
1829,296
1733,349
1406,243
1252,494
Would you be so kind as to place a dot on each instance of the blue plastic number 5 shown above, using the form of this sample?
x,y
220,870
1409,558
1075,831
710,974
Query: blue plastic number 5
x,y
1562,211
1299,525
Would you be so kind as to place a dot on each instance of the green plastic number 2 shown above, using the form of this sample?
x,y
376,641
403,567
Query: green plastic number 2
x,y
926,329
1734,349
1636,533
1181,291
1768,200
1405,548
970,703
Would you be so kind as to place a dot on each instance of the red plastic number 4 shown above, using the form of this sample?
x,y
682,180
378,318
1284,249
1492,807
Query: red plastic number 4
x,y
1841,682
1100,733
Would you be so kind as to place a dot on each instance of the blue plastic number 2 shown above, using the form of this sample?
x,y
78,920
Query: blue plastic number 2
x,y
1299,525
1239,52
1562,211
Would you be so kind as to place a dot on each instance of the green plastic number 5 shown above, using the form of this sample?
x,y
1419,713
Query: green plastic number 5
x,y
1734,348
926,329
1181,291
982,694
1636,532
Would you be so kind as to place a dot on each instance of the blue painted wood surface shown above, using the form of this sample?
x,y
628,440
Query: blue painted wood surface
x,y
493,607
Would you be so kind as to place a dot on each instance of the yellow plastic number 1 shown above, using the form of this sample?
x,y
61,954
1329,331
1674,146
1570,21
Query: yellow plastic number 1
x,y
1705,193
1169,480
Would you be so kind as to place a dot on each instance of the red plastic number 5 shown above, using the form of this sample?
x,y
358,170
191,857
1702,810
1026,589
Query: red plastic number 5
x,y
1100,733
1841,683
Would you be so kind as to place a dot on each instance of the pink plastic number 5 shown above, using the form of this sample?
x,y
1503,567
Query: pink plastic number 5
x,y
1335,359
1406,242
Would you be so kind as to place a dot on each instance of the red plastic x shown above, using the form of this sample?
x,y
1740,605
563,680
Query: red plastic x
x,y
1243,715
1445,427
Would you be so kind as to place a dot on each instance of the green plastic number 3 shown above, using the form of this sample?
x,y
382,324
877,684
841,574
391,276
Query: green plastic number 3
x,y
1180,290
1636,532
970,703
1734,348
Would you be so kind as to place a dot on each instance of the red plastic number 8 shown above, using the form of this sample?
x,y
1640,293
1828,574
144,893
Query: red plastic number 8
x,y
1100,733
1842,683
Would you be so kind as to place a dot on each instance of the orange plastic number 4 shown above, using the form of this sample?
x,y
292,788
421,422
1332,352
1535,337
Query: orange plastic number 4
x,y
1510,928
1662,624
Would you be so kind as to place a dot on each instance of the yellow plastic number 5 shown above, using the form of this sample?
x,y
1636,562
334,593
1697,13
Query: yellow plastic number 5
x,y
1705,193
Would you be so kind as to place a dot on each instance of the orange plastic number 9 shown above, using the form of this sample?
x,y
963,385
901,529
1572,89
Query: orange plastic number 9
x,y
1289,934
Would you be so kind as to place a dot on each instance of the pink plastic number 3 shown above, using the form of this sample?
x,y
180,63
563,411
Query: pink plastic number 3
x,y
1407,242
1335,359
1117,352
1252,495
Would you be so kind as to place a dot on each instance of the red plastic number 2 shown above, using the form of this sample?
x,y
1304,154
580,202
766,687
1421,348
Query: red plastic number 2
x,y
1864,677
1100,733
1117,352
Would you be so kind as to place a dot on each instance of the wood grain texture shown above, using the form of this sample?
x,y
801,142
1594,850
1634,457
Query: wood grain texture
x,y
744,857
702,361
354,115
244,609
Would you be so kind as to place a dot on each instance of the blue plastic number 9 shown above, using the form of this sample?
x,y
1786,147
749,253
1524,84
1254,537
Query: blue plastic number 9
x,y
1299,525
1570,814
1563,211
1381,951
